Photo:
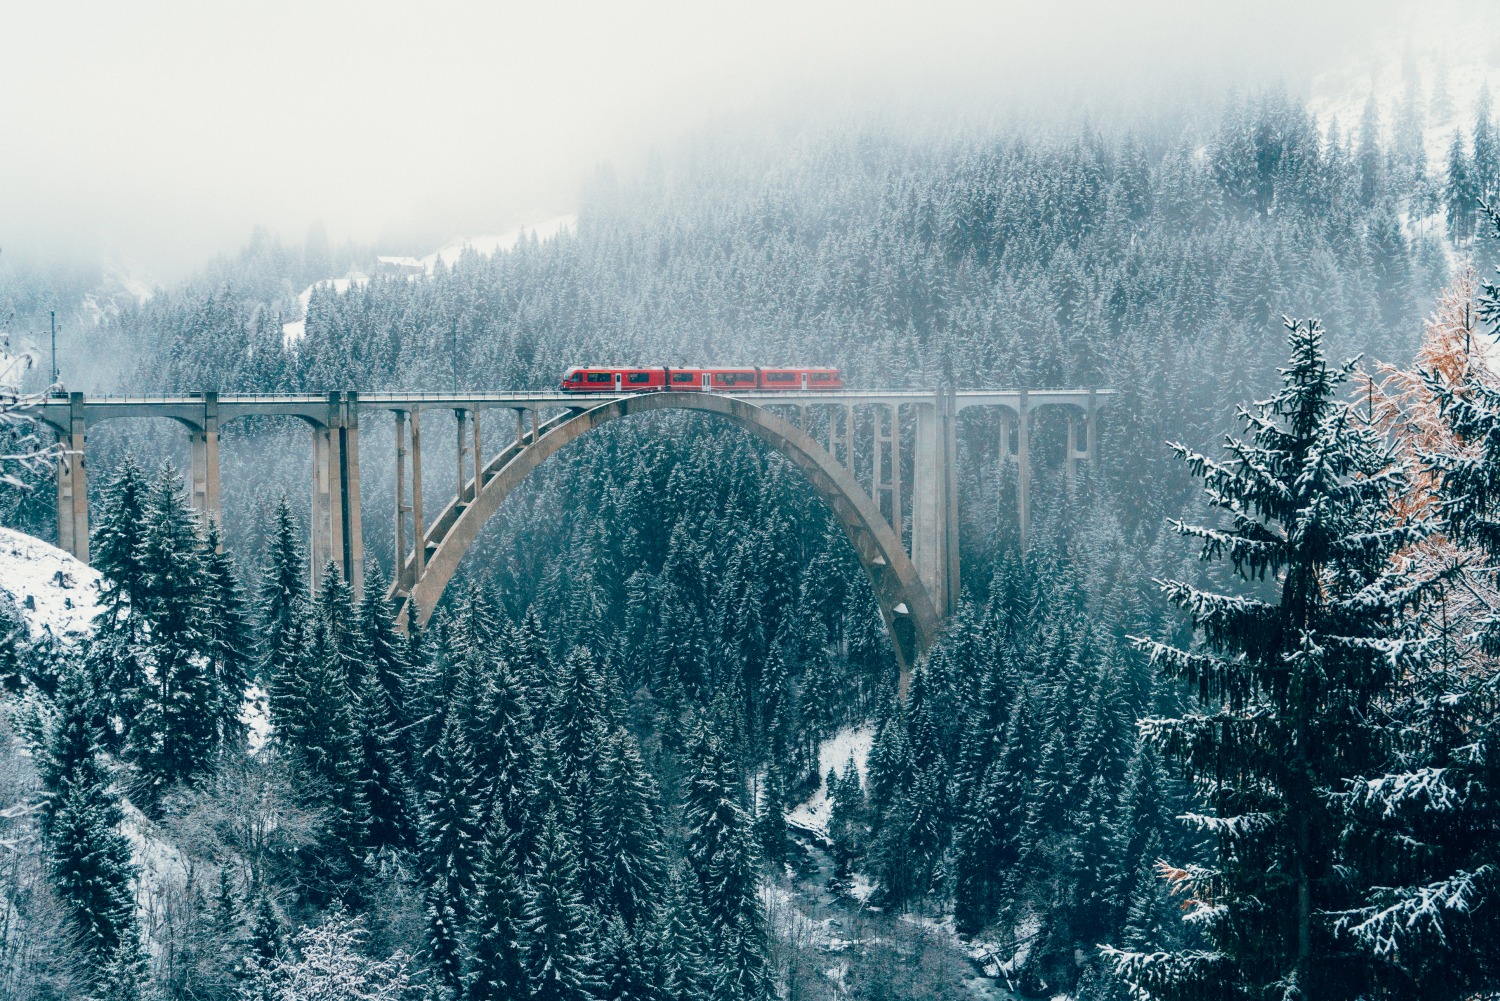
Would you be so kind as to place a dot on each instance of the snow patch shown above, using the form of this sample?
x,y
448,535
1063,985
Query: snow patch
x,y
489,246
162,870
1339,93
295,330
833,754
55,593
256,716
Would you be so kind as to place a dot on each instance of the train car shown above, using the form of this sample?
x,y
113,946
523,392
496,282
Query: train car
x,y
716,379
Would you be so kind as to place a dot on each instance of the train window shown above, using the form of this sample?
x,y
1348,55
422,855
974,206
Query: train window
x,y
781,377
821,377
598,377
682,377
638,377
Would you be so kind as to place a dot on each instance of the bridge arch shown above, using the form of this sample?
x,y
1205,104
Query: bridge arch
x,y
909,613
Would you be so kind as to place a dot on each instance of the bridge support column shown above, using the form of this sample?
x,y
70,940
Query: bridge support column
x,y
205,450
1023,469
419,531
401,582
353,520
72,484
886,464
328,495
1082,448
934,502
460,418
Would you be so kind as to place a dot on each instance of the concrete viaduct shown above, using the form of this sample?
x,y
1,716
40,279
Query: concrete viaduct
x,y
915,580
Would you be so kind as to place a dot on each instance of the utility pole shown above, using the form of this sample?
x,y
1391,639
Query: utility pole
x,y
54,348
454,329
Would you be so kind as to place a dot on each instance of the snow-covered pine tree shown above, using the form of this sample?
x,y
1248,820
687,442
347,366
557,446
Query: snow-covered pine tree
x,y
1460,191
227,624
560,959
629,829
450,844
497,947
720,850
116,538
92,871
176,735
283,602
1291,675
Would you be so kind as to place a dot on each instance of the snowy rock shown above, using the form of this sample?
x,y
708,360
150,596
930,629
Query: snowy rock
x,y
53,592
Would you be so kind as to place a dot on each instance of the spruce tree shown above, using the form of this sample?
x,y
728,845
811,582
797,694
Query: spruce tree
x,y
115,542
176,734
283,602
450,843
631,838
497,949
229,638
89,859
560,960
1291,674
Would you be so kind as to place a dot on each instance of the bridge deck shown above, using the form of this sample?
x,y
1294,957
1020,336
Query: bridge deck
x,y
57,410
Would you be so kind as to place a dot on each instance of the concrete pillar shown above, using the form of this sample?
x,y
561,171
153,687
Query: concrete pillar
x,y
402,584
953,590
1023,469
419,531
206,464
929,507
353,520
72,484
329,478
319,550
460,419
520,427
478,455
886,464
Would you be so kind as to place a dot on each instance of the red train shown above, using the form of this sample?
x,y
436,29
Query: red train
x,y
605,379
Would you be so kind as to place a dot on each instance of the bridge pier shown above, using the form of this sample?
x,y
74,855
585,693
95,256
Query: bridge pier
x,y
205,463
72,483
934,503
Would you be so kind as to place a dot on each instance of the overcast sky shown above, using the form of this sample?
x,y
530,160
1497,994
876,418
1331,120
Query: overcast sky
x,y
162,132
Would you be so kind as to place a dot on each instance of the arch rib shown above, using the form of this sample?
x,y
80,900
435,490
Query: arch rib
x,y
910,616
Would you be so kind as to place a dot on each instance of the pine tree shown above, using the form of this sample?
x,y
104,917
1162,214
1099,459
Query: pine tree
x,y
176,734
1293,673
720,851
115,542
498,950
623,972
229,640
92,871
283,603
560,959
770,821
450,837
631,845
1460,192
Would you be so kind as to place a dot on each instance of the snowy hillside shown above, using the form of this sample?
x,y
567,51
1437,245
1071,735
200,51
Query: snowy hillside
x,y
833,754
1447,78
486,246
54,592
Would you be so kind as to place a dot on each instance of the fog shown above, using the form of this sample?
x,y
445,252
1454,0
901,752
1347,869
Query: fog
x,y
161,133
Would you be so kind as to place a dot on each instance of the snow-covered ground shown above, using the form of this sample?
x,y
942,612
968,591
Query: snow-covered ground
x,y
833,753
486,246
489,246
1339,92
53,592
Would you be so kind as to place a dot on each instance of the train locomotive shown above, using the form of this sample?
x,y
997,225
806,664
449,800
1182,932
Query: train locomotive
x,y
736,379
